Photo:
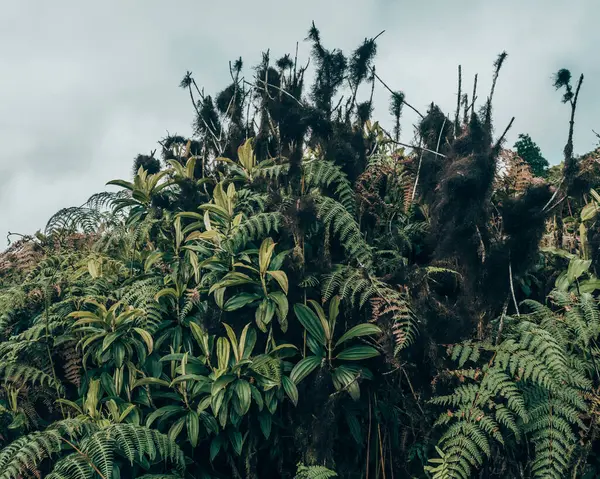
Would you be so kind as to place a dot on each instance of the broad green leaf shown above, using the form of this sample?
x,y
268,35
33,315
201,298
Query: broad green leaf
x,y
192,424
562,282
163,413
217,210
264,254
188,377
239,301
334,311
285,350
150,382
281,301
201,338
322,318
233,340
220,198
204,235
356,353
258,399
217,401
264,314
126,412
354,427
147,337
311,322
589,211
576,268
281,278
167,292
346,379
176,429
265,421
277,262
222,383
235,438
224,411
290,389
152,259
210,423
314,346
109,339
246,155
304,367
243,392
589,285
118,353
558,252
215,447
220,297
234,278
223,350
249,343
242,344
178,233
365,329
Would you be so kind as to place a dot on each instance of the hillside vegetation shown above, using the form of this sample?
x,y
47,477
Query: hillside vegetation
x,y
296,292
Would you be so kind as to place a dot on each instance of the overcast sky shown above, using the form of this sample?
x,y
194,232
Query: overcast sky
x,y
85,86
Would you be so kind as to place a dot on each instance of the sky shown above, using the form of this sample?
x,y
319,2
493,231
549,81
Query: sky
x,y
86,86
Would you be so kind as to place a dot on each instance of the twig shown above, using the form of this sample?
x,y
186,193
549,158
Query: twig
x,y
414,191
554,195
481,244
501,326
276,87
393,93
381,457
390,138
413,391
458,100
378,35
437,148
501,139
474,97
368,440
557,203
512,287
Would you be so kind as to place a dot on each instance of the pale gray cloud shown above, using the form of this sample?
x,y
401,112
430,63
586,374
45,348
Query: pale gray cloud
x,y
84,87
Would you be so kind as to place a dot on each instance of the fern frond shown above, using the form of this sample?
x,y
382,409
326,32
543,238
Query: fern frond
x,y
322,173
313,472
345,227
27,452
395,306
96,452
257,227
23,374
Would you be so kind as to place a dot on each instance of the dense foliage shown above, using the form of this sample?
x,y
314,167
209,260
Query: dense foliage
x,y
290,293
527,149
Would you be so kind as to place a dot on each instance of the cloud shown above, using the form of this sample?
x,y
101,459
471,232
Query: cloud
x,y
84,87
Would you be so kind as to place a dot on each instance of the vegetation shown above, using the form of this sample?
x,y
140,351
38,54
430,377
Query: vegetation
x,y
526,148
295,292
